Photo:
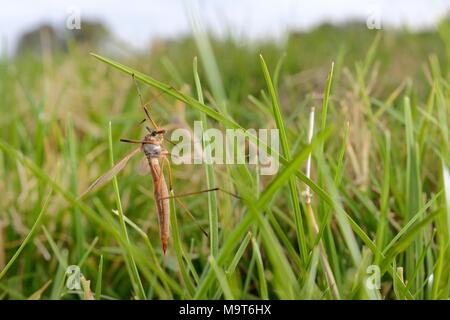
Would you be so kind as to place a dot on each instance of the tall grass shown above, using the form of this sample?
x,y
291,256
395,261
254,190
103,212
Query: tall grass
x,y
380,177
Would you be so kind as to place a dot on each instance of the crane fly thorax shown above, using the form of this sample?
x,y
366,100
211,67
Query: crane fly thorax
x,y
151,149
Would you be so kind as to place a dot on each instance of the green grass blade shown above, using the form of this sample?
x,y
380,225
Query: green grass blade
x,y
179,249
326,97
98,285
134,276
87,252
384,207
446,179
260,267
210,65
286,152
58,253
413,191
28,237
237,257
221,278
210,179
407,238
77,221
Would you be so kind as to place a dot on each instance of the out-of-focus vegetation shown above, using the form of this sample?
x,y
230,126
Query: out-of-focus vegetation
x,y
380,193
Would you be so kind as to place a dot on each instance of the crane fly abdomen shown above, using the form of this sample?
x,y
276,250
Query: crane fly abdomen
x,y
161,197
153,152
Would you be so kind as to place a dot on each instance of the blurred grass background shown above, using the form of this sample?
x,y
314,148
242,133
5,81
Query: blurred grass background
x,y
383,199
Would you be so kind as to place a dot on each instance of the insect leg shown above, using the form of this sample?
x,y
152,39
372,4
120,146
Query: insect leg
x,y
135,141
169,171
143,105
203,191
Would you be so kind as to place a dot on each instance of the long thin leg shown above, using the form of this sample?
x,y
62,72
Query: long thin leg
x,y
138,90
150,118
202,191
152,99
143,105
192,217
137,125
135,141
160,177
169,171
169,141
158,190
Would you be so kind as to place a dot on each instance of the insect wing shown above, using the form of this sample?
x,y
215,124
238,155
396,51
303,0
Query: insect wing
x,y
110,173
143,168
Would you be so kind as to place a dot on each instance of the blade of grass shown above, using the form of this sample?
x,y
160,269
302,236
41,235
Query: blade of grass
x,y
38,294
411,222
295,201
134,276
310,285
314,228
286,241
58,254
384,207
87,252
28,237
76,218
209,171
179,249
62,258
98,285
237,257
209,62
260,267
446,179
407,238
413,192
221,278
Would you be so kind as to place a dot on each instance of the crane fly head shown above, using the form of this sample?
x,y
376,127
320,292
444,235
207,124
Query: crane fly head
x,y
159,133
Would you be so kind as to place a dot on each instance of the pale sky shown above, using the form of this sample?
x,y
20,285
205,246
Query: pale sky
x,y
137,22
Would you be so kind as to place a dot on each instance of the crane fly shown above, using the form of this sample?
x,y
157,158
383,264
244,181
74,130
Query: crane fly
x,y
156,155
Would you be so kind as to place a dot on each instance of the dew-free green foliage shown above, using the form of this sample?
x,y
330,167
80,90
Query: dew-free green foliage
x,y
380,169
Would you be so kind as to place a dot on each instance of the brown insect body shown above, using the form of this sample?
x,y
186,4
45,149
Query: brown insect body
x,y
155,155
